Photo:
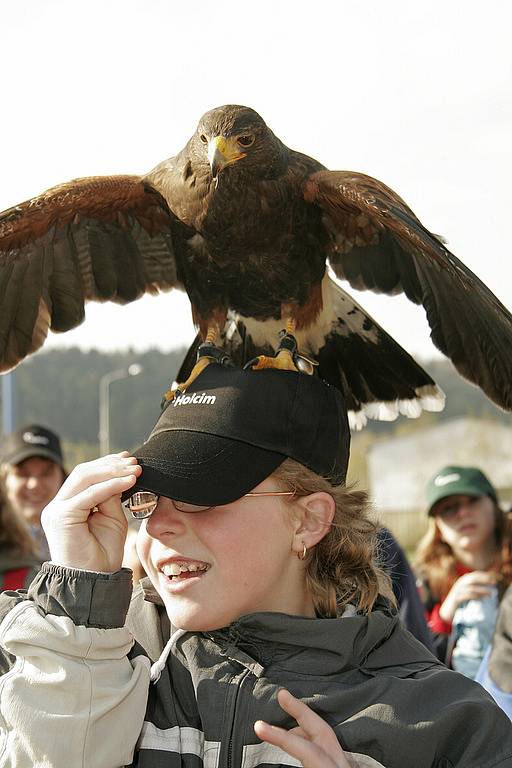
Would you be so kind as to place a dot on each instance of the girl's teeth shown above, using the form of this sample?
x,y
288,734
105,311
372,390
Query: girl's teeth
x,y
174,569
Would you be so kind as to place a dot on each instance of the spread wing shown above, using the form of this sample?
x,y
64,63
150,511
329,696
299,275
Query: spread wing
x,y
378,244
93,239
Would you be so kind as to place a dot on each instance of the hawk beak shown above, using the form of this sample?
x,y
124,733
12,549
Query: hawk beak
x,y
222,152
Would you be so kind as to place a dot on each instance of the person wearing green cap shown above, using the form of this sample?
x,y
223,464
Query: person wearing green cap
x,y
463,562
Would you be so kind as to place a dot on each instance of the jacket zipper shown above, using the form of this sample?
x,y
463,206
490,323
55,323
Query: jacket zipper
x,y
229,756
247,675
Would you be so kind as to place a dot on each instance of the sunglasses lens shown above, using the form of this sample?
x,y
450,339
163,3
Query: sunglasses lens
x,y
142,504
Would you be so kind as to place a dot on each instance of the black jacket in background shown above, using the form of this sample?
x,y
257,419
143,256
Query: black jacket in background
x,y
410,607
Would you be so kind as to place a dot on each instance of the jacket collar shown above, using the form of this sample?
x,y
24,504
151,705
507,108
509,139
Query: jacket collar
x,y
374,641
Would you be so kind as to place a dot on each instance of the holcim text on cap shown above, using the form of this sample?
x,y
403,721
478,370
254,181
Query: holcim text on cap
x,y
196,398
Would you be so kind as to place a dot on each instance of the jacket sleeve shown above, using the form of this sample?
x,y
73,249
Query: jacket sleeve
x,y
71,696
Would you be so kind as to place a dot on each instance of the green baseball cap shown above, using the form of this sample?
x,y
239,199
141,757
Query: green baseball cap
x,y
458,481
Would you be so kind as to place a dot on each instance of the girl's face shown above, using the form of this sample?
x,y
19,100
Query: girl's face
x,y
31,485
236,559
466,522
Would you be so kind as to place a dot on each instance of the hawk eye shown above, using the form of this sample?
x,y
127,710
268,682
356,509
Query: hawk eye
x,y
203,138
246,141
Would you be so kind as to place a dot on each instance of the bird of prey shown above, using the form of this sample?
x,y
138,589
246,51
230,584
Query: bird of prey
x,y
247,227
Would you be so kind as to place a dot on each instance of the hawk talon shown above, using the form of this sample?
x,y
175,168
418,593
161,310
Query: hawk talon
x,y
207,353
282,360
287,342
214,353
305,364
287,358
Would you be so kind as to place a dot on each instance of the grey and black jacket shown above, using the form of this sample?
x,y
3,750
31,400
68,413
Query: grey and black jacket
x,y
78,691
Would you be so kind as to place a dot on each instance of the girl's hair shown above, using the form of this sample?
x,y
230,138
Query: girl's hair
x,y
342,568
435,561
14,534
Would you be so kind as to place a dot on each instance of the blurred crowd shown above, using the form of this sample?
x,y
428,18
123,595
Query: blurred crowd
x,y
455,595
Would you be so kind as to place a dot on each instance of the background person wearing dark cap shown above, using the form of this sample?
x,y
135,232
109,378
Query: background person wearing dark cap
x,y
32,470
264,563
464,564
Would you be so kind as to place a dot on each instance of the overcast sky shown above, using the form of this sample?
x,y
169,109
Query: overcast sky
x,y
417,94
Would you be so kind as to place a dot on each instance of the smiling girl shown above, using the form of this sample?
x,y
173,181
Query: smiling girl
x,y
262,576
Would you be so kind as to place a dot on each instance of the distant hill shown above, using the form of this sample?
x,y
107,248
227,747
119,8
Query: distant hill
x,y
60,388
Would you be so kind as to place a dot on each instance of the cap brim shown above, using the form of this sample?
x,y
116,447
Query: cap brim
x,y
200,468
461,490
30,452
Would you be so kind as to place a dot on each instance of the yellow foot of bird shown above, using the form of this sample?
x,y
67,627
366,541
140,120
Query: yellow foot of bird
x,y
283,361
198,368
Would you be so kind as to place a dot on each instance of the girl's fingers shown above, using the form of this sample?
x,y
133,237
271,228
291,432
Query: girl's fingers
x,y
314,742
101,492
311,723
293,745
94,472
475,593
309,754
297,731
478,577
279,737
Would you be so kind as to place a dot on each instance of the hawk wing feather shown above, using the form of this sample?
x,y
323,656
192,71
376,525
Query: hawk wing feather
x,y
380,245
476,337
94,239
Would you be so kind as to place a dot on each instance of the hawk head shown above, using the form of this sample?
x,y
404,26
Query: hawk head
x,y
232,136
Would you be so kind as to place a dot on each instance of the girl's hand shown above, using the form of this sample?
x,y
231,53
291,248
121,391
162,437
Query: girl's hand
x,y
313,742
85,524
470,586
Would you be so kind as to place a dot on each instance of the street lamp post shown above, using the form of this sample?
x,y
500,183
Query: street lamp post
x,y
8,403
104,407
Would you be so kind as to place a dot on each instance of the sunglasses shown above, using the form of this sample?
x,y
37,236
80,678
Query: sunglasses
x,y
142,504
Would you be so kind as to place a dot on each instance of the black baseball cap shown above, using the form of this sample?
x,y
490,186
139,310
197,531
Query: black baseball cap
x,y
32,440
233,427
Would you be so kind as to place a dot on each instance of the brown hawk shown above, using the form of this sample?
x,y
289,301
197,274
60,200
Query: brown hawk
x,y
247,226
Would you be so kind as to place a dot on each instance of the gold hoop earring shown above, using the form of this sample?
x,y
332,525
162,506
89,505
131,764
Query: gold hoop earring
x,y
302,555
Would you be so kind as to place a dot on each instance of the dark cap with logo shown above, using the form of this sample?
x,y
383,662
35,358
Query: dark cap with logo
x,y
232,428
32,440
458,481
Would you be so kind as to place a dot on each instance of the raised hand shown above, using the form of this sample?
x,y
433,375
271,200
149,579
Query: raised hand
x,y
85,524
470,586
313,742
